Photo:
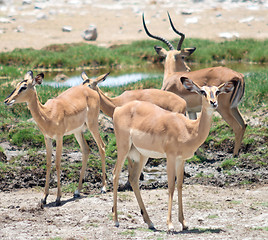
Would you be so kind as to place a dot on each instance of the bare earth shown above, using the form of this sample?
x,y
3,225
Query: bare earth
x,y
119,21
211,212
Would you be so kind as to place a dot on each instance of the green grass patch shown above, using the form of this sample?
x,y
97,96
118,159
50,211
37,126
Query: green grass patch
x,y
228,164
29,136
128,233
138,53
213,216
261,228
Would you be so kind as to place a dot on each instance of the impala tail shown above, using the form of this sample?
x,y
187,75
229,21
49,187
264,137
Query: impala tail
x,y
238,92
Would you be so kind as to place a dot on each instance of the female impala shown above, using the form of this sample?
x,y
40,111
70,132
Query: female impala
x,y
163,99
175,67
145,130
70,112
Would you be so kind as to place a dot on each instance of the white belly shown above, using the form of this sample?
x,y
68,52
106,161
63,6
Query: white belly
x,y
151,154
82,128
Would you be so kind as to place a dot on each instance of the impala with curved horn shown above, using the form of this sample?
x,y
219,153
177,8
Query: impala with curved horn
x,y
70,112
175,67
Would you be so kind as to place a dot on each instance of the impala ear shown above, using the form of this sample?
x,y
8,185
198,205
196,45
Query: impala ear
x,y
102,77
187,51
227,87
28,75
160,51
190,85
38,79
84,76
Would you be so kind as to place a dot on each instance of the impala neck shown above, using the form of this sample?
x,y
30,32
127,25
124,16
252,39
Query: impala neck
x,y
107,105
37,110
173,65
203,124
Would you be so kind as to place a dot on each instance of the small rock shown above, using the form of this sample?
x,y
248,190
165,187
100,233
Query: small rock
x,y
4,20
186,12
41,16
19,29
191,20
247,20
229,35
60,78
66,28
26,2
90,34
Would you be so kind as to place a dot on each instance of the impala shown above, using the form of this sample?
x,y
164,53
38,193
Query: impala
x,y
163,99
145,130
70,112
175,67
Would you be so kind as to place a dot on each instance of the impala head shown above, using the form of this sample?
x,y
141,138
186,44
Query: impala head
x,y
173,56
209,94
92,83
22,90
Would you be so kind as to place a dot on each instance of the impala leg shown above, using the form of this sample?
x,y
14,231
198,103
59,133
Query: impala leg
x,y
59,142
85,152
180,174
241,121
94,129
234,123
48,143
171,187
121,156
134,176
192,115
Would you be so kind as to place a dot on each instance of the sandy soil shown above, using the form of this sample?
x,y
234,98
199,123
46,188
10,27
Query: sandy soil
x,y
119,21
211,213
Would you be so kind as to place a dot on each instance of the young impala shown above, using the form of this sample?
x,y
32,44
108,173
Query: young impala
x,y
145,130
163,99
175,67
70,112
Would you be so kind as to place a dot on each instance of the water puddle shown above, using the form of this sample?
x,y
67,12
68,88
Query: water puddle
x,y
111,81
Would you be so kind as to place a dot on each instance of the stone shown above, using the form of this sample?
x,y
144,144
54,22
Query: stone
x,y
4,20
60,77
19,29
228,35
41,16
66,28
90,34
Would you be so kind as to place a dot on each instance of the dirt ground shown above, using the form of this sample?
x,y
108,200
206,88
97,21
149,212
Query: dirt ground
x,y
40,23
212,212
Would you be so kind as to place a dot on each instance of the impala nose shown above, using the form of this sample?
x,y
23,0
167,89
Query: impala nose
x,y
214,104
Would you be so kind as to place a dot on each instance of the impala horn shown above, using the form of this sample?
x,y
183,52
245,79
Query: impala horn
x,y
176,31
156,37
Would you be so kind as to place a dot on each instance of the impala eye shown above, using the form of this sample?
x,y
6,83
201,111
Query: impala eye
x,y
217,93
23,88
203,93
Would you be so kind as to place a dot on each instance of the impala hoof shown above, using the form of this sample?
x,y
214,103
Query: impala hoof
x,y
77,194
185,228
116,224
58,203
151,226
170,228
103,190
